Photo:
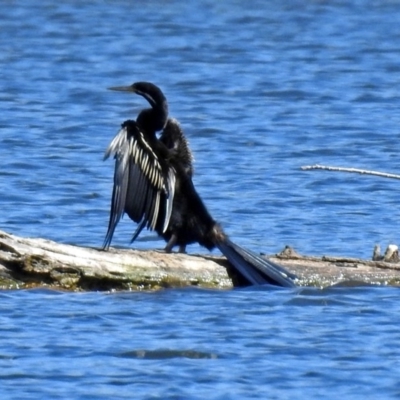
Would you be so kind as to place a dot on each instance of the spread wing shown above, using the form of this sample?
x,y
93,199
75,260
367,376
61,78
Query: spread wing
x,y
144,183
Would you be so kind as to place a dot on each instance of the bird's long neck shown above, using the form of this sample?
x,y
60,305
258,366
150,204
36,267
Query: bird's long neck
x,y
153,119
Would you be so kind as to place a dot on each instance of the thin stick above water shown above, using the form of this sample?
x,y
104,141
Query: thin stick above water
x,y
352,170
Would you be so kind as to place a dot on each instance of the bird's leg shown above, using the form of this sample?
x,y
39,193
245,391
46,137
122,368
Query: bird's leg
x,y
182,248
171,243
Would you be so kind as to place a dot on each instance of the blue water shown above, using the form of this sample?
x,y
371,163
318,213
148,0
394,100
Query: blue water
x,y
261,89
193,344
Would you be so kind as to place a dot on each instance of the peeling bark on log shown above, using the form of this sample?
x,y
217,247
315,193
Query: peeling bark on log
x,y
39,262
327,271
26,263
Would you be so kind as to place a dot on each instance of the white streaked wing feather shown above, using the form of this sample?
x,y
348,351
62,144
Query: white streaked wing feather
x,y
156,211
146,165
170,200
118,143
136,149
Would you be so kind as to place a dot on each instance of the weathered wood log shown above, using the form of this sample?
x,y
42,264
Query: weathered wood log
x,y
27,262
327,271
39,262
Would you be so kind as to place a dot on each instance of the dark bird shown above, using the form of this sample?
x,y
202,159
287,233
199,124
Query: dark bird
x,y
153,185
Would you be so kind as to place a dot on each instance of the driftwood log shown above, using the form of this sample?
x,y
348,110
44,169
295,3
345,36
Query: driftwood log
x,y
27,263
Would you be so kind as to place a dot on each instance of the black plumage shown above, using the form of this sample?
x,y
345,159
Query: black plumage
x,y
153,185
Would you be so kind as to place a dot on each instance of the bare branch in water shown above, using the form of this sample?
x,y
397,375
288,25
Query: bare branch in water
x,y
352,170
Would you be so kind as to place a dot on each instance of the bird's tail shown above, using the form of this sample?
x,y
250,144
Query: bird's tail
x,y
252,267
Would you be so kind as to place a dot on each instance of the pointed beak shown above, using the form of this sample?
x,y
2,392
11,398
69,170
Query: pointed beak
x,y
123,89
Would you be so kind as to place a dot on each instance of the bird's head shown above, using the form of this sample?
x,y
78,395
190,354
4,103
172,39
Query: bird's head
x,y
153,119
148,90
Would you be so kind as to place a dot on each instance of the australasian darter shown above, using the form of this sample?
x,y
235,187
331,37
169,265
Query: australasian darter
x,y
153,185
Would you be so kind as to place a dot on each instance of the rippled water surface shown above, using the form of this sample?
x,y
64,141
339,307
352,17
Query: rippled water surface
x,y
183,344
261,89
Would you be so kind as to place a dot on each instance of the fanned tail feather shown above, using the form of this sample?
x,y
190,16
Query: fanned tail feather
x,y
255,269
